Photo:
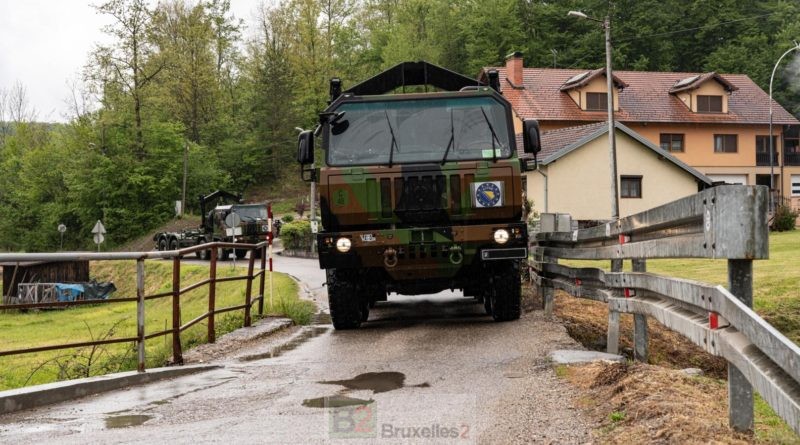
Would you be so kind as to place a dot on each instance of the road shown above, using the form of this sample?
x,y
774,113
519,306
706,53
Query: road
x,y
422,369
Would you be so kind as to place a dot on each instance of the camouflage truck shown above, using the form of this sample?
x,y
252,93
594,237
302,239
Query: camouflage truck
x,y
419,192
253,226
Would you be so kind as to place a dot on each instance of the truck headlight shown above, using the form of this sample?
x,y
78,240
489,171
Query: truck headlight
x,y
343,245
501,236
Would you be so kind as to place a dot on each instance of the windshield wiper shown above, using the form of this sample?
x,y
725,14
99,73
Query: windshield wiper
x,y
494,136
452,141
394,140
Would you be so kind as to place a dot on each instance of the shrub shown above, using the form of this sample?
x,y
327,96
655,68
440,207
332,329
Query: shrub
x,y
785,219
296,235
287,219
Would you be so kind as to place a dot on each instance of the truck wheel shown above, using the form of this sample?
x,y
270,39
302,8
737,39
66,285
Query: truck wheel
x,y
204,254
162,244
343,300
241,253
173,244
506,291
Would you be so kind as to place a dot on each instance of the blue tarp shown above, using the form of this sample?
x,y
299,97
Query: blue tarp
x,y
69,292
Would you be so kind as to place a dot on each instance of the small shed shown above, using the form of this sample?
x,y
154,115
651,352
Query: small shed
x,y
42,272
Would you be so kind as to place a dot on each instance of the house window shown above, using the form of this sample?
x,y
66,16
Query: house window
x,y
709,104
726,143
671,142
631,187
795,185
596,101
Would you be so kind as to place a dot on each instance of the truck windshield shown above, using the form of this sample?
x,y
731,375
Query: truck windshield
x,y
421,130
251,213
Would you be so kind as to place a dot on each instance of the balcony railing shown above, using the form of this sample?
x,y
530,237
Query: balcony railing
x,y
790,159
762,159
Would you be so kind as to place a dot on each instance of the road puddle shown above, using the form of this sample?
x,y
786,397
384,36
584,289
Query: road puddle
x,y
305,334
126,421
376,382
336,401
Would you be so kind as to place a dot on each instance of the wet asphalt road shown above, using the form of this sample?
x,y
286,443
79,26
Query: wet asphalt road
x,y
422,369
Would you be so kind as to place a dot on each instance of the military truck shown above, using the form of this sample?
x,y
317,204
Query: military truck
x,y
254,226
419,192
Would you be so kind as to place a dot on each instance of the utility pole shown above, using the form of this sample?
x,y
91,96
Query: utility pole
x,y
612,140
185,174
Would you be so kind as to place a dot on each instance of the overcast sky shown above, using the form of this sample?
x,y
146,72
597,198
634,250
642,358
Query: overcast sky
x,y
45,43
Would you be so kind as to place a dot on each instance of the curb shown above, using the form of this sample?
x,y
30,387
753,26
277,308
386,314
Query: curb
x,y
36,396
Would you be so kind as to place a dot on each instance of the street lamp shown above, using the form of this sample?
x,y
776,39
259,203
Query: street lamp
x,y
612,140
771,148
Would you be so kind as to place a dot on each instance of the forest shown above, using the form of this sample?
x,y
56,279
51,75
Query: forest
x,y
188,82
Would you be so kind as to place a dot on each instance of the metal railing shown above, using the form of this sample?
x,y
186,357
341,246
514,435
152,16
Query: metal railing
x,y
763,159
726,222
260,249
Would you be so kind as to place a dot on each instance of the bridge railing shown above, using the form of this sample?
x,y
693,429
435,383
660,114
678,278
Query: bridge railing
x,y
260,251
726,222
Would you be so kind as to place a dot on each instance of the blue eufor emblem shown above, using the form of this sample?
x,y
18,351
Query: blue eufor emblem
x,y
488,194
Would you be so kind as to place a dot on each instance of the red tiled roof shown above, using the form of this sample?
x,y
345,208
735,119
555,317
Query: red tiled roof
x,y
554,140
645,99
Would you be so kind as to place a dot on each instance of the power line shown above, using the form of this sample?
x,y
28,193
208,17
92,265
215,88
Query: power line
x,y
695,28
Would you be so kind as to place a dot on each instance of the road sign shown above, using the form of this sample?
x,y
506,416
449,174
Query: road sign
x,y
62,228
99,228
233,220
99,238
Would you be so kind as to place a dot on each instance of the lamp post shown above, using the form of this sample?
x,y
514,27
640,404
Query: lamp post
x,y
612,140
771,148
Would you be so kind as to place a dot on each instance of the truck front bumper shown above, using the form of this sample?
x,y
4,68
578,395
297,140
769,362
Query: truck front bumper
x,y
419,252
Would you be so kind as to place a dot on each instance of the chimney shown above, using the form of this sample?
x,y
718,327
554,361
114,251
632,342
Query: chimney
x,y
514,69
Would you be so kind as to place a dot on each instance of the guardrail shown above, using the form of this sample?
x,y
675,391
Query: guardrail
x,y
726,222
261,250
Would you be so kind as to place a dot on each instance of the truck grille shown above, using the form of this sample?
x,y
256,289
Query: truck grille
x,y
421,198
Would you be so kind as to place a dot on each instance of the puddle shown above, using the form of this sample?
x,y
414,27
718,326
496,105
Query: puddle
x,y
376,382
307,333
336,401
126,421
161,402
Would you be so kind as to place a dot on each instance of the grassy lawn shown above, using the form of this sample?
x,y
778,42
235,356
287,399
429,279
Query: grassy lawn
x,y
39,328
776,297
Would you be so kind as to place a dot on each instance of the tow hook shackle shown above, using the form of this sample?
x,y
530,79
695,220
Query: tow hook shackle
x,y
390,257
456,256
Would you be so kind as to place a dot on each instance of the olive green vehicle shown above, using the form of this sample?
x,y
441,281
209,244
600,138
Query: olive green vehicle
x,y
419,192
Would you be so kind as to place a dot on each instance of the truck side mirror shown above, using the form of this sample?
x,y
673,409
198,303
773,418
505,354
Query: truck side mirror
x,y
530,138
305,147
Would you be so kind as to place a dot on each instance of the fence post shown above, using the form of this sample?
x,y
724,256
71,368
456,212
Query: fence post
x,y
612,337
212,295
140,313
262,279
177,353
740,391
640,334
248,293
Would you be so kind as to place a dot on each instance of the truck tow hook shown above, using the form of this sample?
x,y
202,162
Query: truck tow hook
x,y
456,257
390,258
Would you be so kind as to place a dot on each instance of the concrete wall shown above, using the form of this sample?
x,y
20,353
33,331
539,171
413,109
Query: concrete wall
x,y
579,183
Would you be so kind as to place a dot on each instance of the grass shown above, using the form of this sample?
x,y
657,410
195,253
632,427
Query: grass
x,y
776,297
48,327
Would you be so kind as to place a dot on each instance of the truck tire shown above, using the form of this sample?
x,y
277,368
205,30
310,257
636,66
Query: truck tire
x,y
173,244
204,254
506,291
343,300
241,253
162,244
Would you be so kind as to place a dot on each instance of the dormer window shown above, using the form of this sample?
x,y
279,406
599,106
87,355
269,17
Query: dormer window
x,y
596,101
709,104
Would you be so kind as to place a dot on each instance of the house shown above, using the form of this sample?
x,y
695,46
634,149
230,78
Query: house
x,y
573,173
715,123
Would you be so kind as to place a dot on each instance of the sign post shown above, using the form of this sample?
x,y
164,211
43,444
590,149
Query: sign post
x,y
99,230
233,220
61,229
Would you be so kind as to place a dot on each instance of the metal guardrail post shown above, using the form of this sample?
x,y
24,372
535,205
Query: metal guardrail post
x,y
641,337
177,350
140,314
740,391
212,295
248,293
612,336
